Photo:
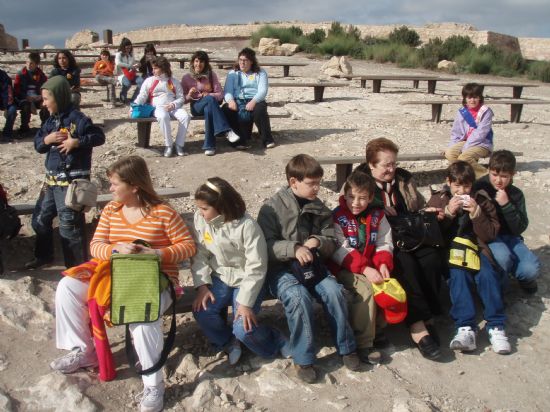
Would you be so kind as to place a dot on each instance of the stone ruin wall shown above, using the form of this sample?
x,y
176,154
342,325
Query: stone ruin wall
x,y
7,41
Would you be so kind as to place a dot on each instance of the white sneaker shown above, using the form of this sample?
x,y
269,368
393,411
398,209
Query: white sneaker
x,y
74,360
152,398
210,152
270,145
499,341
234,352
232,136
464,340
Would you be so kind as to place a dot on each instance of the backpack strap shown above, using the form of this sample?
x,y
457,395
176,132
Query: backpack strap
x,y
468,117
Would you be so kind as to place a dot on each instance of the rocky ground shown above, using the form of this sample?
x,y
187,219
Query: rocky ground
x,y
197,378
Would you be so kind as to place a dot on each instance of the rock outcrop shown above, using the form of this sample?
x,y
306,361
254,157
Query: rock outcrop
x,y
82,39
7,41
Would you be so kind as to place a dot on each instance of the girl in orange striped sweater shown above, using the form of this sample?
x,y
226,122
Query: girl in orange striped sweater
x,y
136,212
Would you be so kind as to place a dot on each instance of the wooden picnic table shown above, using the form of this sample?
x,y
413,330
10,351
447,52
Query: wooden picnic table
x,y
221,63
318,87
415,78
517,88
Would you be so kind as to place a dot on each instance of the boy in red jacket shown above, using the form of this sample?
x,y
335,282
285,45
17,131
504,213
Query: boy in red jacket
x,y
364,256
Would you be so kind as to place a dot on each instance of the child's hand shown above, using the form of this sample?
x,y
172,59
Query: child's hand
x,y
203,296
502,197
232,105
373,275
303,254
248,315
169,107
251,105
126,248
470,206
454,204
68,144
56,138
384,271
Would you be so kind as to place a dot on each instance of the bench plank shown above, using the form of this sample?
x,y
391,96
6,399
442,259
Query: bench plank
x,y
517,88
416,79
222,63
318,87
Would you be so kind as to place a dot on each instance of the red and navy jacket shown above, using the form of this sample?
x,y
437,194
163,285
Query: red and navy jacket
x,y
26,80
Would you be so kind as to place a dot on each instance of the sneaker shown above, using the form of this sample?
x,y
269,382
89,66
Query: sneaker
x,y
180,151
499,341
369,355
152,398
37,263
234,351
168,151
529,286
210,152
270,145
351,361
74,360
306,373
232,136
464,340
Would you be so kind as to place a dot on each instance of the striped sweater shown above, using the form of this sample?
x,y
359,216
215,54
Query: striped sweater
x,y
163,228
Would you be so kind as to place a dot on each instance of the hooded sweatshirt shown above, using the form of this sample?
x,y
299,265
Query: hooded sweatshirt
x,y
78,162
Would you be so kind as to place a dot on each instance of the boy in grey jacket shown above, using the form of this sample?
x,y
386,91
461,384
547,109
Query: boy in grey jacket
x,y
295,222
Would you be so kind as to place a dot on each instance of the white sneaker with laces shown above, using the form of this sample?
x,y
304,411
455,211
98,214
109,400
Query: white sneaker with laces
x,y
234,351
232,136
499,341
152,398
74,360
210,152
464,340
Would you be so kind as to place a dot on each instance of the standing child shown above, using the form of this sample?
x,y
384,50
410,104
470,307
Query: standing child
x,y
472,133
27,84
296,223
229,269
67,138
509,250
474,219
364,256
165,93
64,64
7,104
103,72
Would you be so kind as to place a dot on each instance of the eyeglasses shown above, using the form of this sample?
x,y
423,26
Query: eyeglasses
x,y
243,60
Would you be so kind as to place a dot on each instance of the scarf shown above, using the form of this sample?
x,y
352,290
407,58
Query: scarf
x,y
387,193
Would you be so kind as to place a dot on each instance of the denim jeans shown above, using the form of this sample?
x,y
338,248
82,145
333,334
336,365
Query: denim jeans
x,y
262,340
50,204
514,257
487,282
298,304
215,122
126,84
10,114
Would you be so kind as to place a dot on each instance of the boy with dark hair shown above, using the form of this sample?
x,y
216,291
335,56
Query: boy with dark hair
x,y
296,224
28,82
7,104
509,250
364,256
471,221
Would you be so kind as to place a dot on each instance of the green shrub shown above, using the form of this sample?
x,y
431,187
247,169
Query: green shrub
x,y
430,53
317,36
539,71
307,45
341,46
454,46
389,52
284,34
370,41
481,64
404,35
336,29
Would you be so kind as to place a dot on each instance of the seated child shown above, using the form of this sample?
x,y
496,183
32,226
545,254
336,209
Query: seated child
x,y
229,270
294,222
364,256
508,248
103,72
27,84
472,133
7,104
475,218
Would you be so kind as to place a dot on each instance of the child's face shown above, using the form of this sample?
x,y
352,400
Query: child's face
x,y
63,60
207,212
105,57
472,101
307,188
357,200
157,71
48,101
500,180
31,66
459,188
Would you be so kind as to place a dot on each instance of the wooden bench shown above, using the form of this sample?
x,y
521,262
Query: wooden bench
x,y
81,64
144,125
222,63
344,165
318,87
517,88
416,79
103,199
516,106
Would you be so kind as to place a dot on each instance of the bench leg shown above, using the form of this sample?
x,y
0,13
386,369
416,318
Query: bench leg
x,y
144,134
516,92
436,112
364,83
431,86
515,112
416,83
318,92
182,64
342,173
286,71
376,85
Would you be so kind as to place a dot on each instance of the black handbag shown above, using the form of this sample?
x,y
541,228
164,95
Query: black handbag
x,y
413,230
312,273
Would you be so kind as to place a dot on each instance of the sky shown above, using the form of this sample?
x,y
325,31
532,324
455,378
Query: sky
x,y
53,21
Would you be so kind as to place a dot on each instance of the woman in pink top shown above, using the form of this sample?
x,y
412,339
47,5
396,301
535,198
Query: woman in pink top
x,y
202,88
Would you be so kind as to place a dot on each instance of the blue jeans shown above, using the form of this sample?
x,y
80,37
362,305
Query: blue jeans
x,y
298,304
514,257
215,122
126,84
50,204
487,281
11,114
262,340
